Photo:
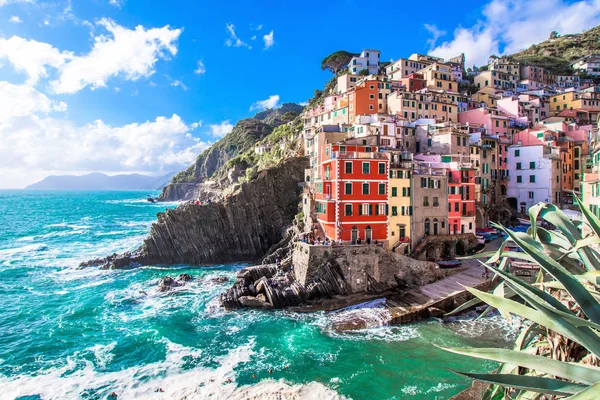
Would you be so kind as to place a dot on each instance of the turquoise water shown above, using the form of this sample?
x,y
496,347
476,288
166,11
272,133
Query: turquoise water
x,y
69,333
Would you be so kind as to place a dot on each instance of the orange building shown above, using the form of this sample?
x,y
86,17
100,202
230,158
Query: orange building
x,y
367,98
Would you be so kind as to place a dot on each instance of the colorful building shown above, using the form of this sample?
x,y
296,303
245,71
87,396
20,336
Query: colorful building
x,y
352,198
400,201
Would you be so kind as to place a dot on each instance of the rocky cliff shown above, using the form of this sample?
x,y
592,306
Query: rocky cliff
x,y
243,226
245,134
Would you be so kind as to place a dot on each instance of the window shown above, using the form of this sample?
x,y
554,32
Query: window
x,y
394,211
342,149
380,210
456,207
519,179
365,209
381,168
423,182
395,191
348,167
532,178
532,165
518,165
365,188
531,195
436,202
348,210
382,188
425,201
348,188
366,168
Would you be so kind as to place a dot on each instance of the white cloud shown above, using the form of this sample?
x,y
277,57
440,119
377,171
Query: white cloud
x,y
127,53
269,41
234,40
201,69
508,26
180,84
116,3
35,143
222,129
130,53
436,33
31,57
271,102
5,2
253,37
14,20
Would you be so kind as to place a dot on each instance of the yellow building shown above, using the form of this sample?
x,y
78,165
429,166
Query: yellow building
x,y
400,205
589,101
485,95
496,79
439,77
443,107
503,65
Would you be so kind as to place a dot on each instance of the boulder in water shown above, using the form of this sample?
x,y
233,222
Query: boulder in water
x,y
184,278
166,283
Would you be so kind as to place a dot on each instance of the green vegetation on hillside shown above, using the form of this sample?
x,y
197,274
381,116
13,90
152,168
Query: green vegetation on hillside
x,y
558,52
245,134
336,61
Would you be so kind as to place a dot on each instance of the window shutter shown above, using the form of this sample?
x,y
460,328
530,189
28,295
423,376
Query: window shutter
x,y
387,211
370,209
377,210
360,209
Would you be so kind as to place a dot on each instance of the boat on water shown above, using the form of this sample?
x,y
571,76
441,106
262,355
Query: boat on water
x,y
480,239
450,263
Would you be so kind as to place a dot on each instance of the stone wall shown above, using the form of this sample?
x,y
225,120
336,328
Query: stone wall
x,y
438,247
365,268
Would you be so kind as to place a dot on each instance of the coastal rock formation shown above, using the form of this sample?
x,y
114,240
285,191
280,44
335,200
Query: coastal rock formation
x,y
195,182
317,273
166,282
241,227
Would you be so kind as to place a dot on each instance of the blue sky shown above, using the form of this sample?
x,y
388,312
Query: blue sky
x,y
88,102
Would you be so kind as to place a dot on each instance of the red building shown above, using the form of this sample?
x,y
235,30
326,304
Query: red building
x,y
461,199
352,193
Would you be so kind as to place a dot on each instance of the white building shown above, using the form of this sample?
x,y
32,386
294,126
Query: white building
x,y
589,64
368,59
534,175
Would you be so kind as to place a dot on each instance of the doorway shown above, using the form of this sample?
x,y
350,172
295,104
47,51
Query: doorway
x,y
354,237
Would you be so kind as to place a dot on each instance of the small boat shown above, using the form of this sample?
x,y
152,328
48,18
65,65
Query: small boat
x,y
480,239
524,221
450,264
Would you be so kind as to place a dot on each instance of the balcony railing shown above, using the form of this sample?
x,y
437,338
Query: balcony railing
x,y
357,155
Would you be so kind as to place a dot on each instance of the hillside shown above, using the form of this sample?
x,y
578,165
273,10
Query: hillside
x,y
242,139
98,181
557,54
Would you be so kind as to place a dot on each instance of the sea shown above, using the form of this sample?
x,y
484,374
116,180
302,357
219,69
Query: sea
x,y
70,333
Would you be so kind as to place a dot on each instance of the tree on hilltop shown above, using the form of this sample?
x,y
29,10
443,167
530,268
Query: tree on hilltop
x,y
336,61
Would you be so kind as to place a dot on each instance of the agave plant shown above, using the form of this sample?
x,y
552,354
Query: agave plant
x,y
557,352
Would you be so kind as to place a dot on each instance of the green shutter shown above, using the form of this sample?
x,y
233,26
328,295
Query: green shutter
x,y
370,209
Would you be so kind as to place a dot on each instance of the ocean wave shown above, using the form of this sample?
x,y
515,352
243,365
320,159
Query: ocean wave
x,y
66,225
32,248
79,376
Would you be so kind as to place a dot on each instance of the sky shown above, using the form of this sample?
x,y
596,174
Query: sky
x,y
144,86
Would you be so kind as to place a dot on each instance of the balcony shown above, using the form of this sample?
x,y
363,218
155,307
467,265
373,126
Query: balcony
x,y
401,164
505,178
468,214
553,154
358,155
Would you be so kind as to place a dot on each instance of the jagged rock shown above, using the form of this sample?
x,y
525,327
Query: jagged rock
x,y
166,283
184,277
255,302
219,279
241,227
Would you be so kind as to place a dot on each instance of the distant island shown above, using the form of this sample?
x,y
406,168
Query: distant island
x,y
99,181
